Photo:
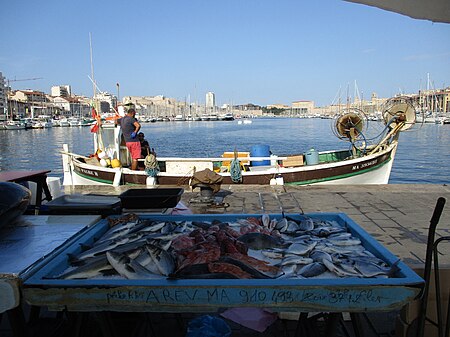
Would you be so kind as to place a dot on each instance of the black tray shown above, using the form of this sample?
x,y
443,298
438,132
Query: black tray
x,y
151,198
83,204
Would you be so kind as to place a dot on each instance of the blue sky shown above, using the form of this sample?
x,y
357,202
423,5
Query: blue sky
x,y
252,51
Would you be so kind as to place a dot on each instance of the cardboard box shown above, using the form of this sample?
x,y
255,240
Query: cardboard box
x,y
231,155
403,329
411,311
293,161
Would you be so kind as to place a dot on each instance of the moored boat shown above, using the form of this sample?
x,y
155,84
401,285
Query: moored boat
x,y
363,164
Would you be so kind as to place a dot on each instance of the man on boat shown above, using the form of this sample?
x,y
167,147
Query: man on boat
x,y
145,146
130,127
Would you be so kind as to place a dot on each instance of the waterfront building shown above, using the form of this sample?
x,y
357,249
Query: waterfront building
x,y
302,108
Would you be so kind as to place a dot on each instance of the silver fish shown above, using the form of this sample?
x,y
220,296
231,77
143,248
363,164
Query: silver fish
x,y
94,268
162,259
306,225
334,268
154,226
352,241
273,253
265,220
128,268
281,224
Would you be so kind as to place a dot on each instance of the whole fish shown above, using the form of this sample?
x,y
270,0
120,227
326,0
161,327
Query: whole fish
x,y
275,253
129,268
260,241
94,268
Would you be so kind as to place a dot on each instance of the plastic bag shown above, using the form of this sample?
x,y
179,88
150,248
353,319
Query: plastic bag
x,y
208,326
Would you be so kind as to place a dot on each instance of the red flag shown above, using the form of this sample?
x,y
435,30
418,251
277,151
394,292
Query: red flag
x,y
94,113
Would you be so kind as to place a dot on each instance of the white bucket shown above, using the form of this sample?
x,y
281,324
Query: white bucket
x,y
150,181
279,180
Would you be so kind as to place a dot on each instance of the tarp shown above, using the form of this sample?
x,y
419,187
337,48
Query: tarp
x,y
207,177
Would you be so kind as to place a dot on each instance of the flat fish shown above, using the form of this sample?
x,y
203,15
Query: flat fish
x,y
339,271
319,256
312,269
301,248
260,241
296,260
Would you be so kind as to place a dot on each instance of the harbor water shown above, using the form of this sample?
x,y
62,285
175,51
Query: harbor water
x,y
423,155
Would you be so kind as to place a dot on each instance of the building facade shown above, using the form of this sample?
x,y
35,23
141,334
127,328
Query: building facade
x,y
210,100
61,91
3,97
302,108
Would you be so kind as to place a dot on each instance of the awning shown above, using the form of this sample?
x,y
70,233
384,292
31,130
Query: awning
x,y
433,10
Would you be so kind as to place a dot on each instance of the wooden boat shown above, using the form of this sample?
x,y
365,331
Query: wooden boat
x,y
369,165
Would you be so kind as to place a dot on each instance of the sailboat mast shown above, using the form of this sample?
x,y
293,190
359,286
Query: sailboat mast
x,y
92,67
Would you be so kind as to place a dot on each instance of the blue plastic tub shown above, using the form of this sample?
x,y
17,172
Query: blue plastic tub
x,y
260,151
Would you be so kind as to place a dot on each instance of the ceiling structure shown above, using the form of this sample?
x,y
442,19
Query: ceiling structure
x,y
433,10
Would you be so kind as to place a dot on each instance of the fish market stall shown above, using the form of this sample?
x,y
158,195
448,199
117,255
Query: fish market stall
x,y
25,244
318,262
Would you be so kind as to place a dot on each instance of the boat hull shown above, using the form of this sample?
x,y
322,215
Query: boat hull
x,y
369,169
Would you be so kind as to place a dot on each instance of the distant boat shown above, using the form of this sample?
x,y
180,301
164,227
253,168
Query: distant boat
x,y
14,125
179,118
370,164
227,117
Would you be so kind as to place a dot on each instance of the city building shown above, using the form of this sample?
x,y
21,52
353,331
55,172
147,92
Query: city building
x,y
61,91
210,100
3,97
107,101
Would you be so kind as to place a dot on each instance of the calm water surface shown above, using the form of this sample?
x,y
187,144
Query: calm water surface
x,y
423,154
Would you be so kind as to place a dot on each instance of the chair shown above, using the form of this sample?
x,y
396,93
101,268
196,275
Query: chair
x,y
432,253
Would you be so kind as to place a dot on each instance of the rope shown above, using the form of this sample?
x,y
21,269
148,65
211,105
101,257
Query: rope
x,y
235,170
151,165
